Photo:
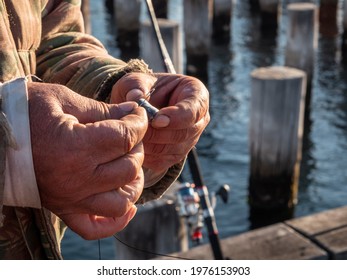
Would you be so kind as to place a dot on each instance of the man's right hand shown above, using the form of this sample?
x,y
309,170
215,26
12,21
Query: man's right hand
x,y
87,158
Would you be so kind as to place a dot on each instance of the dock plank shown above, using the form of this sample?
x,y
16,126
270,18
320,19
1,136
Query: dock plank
x,y
335,243
275,242
318,236
320,223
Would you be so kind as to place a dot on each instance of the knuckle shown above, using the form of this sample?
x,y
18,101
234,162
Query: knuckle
x,y
133,166
132,170
132,135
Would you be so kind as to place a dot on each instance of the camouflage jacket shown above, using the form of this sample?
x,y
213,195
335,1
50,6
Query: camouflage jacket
x,y
46,38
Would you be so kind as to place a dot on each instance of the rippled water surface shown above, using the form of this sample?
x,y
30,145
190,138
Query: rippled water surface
x,y
223,149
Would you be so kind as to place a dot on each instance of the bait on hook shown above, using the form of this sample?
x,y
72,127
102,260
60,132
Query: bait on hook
x,y
150,109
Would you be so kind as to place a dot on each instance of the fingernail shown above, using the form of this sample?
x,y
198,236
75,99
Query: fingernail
x,y
134,94
127,106
161,121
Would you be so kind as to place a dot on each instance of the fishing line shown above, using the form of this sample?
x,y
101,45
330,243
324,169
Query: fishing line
x,y
99,245
146,251
192,161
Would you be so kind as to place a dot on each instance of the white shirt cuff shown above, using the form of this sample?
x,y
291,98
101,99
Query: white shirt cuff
x,y
20,182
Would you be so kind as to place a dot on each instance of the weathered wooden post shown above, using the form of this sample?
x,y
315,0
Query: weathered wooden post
x,y
86,16
270,12
127,14
276,131
254,5
269,6
328,18
302,40
156,228
127,17
344,22
222,13
344,33
109,6
197,31
160,8
197,26
149,49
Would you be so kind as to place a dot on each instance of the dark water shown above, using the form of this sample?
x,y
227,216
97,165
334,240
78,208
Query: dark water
x,y
223,148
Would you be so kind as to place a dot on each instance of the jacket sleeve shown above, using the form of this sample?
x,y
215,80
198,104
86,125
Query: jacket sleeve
x,y
75,59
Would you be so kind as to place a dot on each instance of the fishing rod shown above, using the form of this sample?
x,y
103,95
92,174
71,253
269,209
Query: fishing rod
x,y
193,161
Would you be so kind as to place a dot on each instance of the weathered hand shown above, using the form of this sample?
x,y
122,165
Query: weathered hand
x,y
87,158
183,102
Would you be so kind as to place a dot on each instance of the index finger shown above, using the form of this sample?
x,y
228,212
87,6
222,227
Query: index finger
x,y
184,114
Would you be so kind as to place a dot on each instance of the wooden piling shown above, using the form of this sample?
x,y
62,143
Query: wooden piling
x,y
344,34
127,20
344,22
197,26
328,26
270,6
197,31
302,40
85,7
276,130
222,13
254,5
109,6
127,15
270,12
156,228
161,8
149,49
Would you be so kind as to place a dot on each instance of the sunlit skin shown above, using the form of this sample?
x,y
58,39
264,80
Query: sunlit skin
x,y
183,102
87,157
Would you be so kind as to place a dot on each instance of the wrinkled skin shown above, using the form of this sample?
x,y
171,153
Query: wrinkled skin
x,y
87,158
88,155
183,102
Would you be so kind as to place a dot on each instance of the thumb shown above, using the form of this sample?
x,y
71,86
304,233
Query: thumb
x,y
60,99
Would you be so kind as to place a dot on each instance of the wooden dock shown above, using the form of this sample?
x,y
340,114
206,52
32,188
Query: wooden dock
x,y
314,237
